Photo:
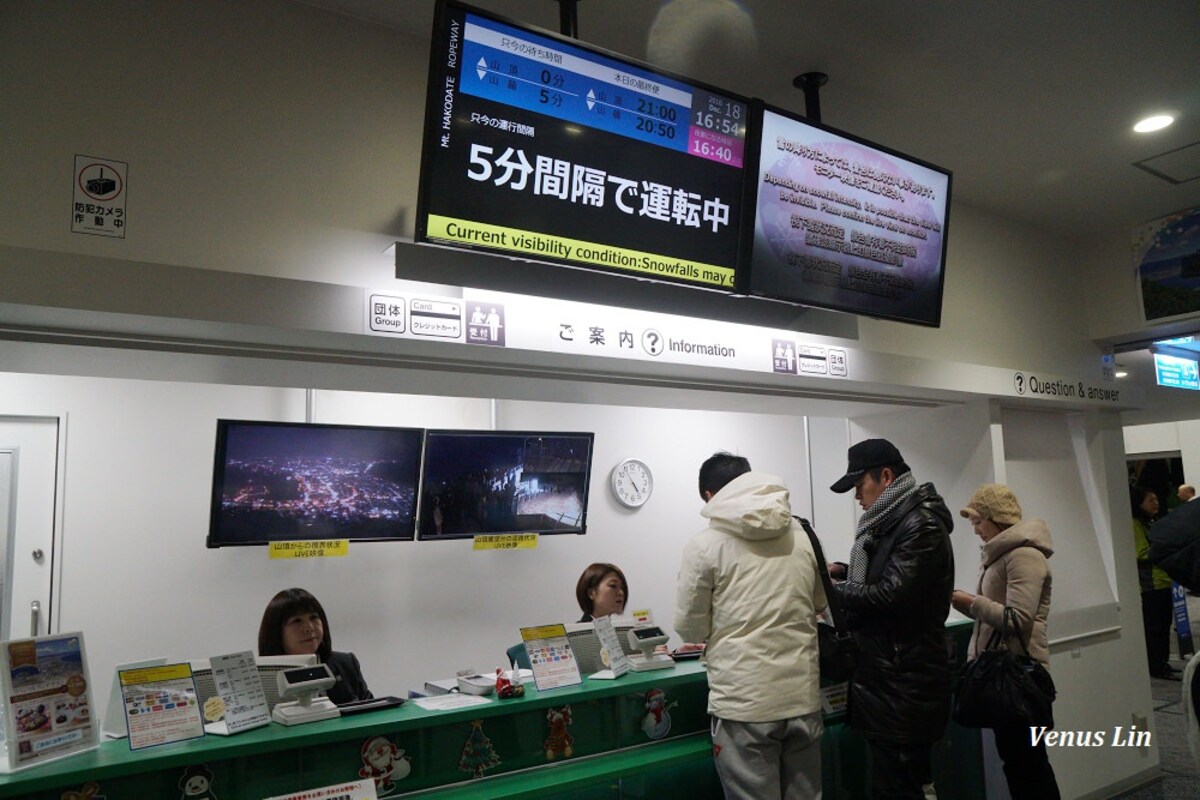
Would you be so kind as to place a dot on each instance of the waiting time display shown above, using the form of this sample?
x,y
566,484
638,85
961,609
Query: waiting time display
x,y
541,147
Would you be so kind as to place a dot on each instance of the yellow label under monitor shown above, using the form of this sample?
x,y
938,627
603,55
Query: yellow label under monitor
x,y
317,548
506,541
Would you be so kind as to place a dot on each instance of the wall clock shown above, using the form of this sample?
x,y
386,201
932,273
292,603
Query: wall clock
x,y
632,482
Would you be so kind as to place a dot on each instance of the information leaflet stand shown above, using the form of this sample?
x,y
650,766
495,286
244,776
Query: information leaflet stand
x,y
47,702
161,706
611,653
114,726
241,703
551,657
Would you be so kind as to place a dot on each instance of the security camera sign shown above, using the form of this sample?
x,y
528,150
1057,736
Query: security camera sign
x,y
99,193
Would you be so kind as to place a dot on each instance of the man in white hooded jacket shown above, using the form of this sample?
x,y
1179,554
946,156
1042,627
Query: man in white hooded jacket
x,y
749,587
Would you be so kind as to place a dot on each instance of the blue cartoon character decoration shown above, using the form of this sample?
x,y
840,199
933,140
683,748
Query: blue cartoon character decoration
x,y
384,763
559,741
657,722
196,783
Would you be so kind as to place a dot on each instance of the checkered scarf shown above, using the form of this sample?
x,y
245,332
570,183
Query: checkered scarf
x,y
874,523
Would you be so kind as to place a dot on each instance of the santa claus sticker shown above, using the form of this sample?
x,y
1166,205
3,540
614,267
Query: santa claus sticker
x,y
384,763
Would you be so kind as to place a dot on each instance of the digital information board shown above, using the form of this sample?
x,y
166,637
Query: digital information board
x,y
539,147
1177,373
847,225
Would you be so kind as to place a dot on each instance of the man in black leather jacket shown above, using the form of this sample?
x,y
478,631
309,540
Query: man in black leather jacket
x,y
896,593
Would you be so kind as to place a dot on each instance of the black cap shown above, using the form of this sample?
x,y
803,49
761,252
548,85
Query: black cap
x,y
865,455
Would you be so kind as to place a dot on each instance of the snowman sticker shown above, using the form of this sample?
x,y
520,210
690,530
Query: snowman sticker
x,y
657,722
384,763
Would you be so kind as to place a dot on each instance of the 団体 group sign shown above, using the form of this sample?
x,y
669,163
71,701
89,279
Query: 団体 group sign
x,y
537,146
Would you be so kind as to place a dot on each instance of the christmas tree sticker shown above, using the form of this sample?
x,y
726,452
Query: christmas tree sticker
x,y
477,754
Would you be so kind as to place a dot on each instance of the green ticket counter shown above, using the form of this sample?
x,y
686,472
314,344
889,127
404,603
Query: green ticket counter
x,y
643,735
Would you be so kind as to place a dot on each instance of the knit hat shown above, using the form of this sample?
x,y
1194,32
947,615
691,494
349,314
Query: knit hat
x,y
996,502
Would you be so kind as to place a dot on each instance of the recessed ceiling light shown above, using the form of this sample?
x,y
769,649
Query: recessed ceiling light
x,y
1155,123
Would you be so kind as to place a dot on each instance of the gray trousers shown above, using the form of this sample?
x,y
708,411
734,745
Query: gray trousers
x,y
767,760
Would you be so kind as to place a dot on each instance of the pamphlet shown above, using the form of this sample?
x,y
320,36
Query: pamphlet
x,y
358,790
834,698
241,694
551,657
613,655
445,702
113,726
47,699
160,705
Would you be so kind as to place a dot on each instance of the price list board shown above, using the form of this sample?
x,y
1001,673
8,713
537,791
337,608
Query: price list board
x,y
540,147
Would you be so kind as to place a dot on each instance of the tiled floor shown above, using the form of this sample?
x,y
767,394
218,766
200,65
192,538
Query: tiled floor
x,y
1181,772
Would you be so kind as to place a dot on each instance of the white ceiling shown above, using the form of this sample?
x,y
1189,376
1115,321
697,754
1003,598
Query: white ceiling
x,y
1030,103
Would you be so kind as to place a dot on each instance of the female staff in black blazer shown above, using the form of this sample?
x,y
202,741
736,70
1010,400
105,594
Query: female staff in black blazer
x,y
295,624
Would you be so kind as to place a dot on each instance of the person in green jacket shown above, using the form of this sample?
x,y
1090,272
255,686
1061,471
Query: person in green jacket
x,y
1155,586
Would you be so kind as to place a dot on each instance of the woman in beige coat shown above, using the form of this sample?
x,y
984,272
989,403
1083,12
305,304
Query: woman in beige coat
x,y
1013,572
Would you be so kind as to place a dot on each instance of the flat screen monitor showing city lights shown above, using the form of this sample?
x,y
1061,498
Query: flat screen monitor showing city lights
x,y
845,224
489,482
276,481
540,147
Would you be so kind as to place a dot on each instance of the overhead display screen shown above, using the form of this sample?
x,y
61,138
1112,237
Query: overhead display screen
x,y
1178,373
1179,366
845,224
543,148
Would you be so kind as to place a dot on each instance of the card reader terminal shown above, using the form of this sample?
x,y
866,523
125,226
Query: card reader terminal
x,y
303,683
646,638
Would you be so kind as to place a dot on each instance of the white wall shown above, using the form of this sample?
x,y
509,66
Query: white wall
x,y
1012,299
138,580
307,167
950,448
1168,437
266,137
1052,481
1092,674
646,543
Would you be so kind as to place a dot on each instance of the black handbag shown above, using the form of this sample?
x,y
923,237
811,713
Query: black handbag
x,y
999,688
838,650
